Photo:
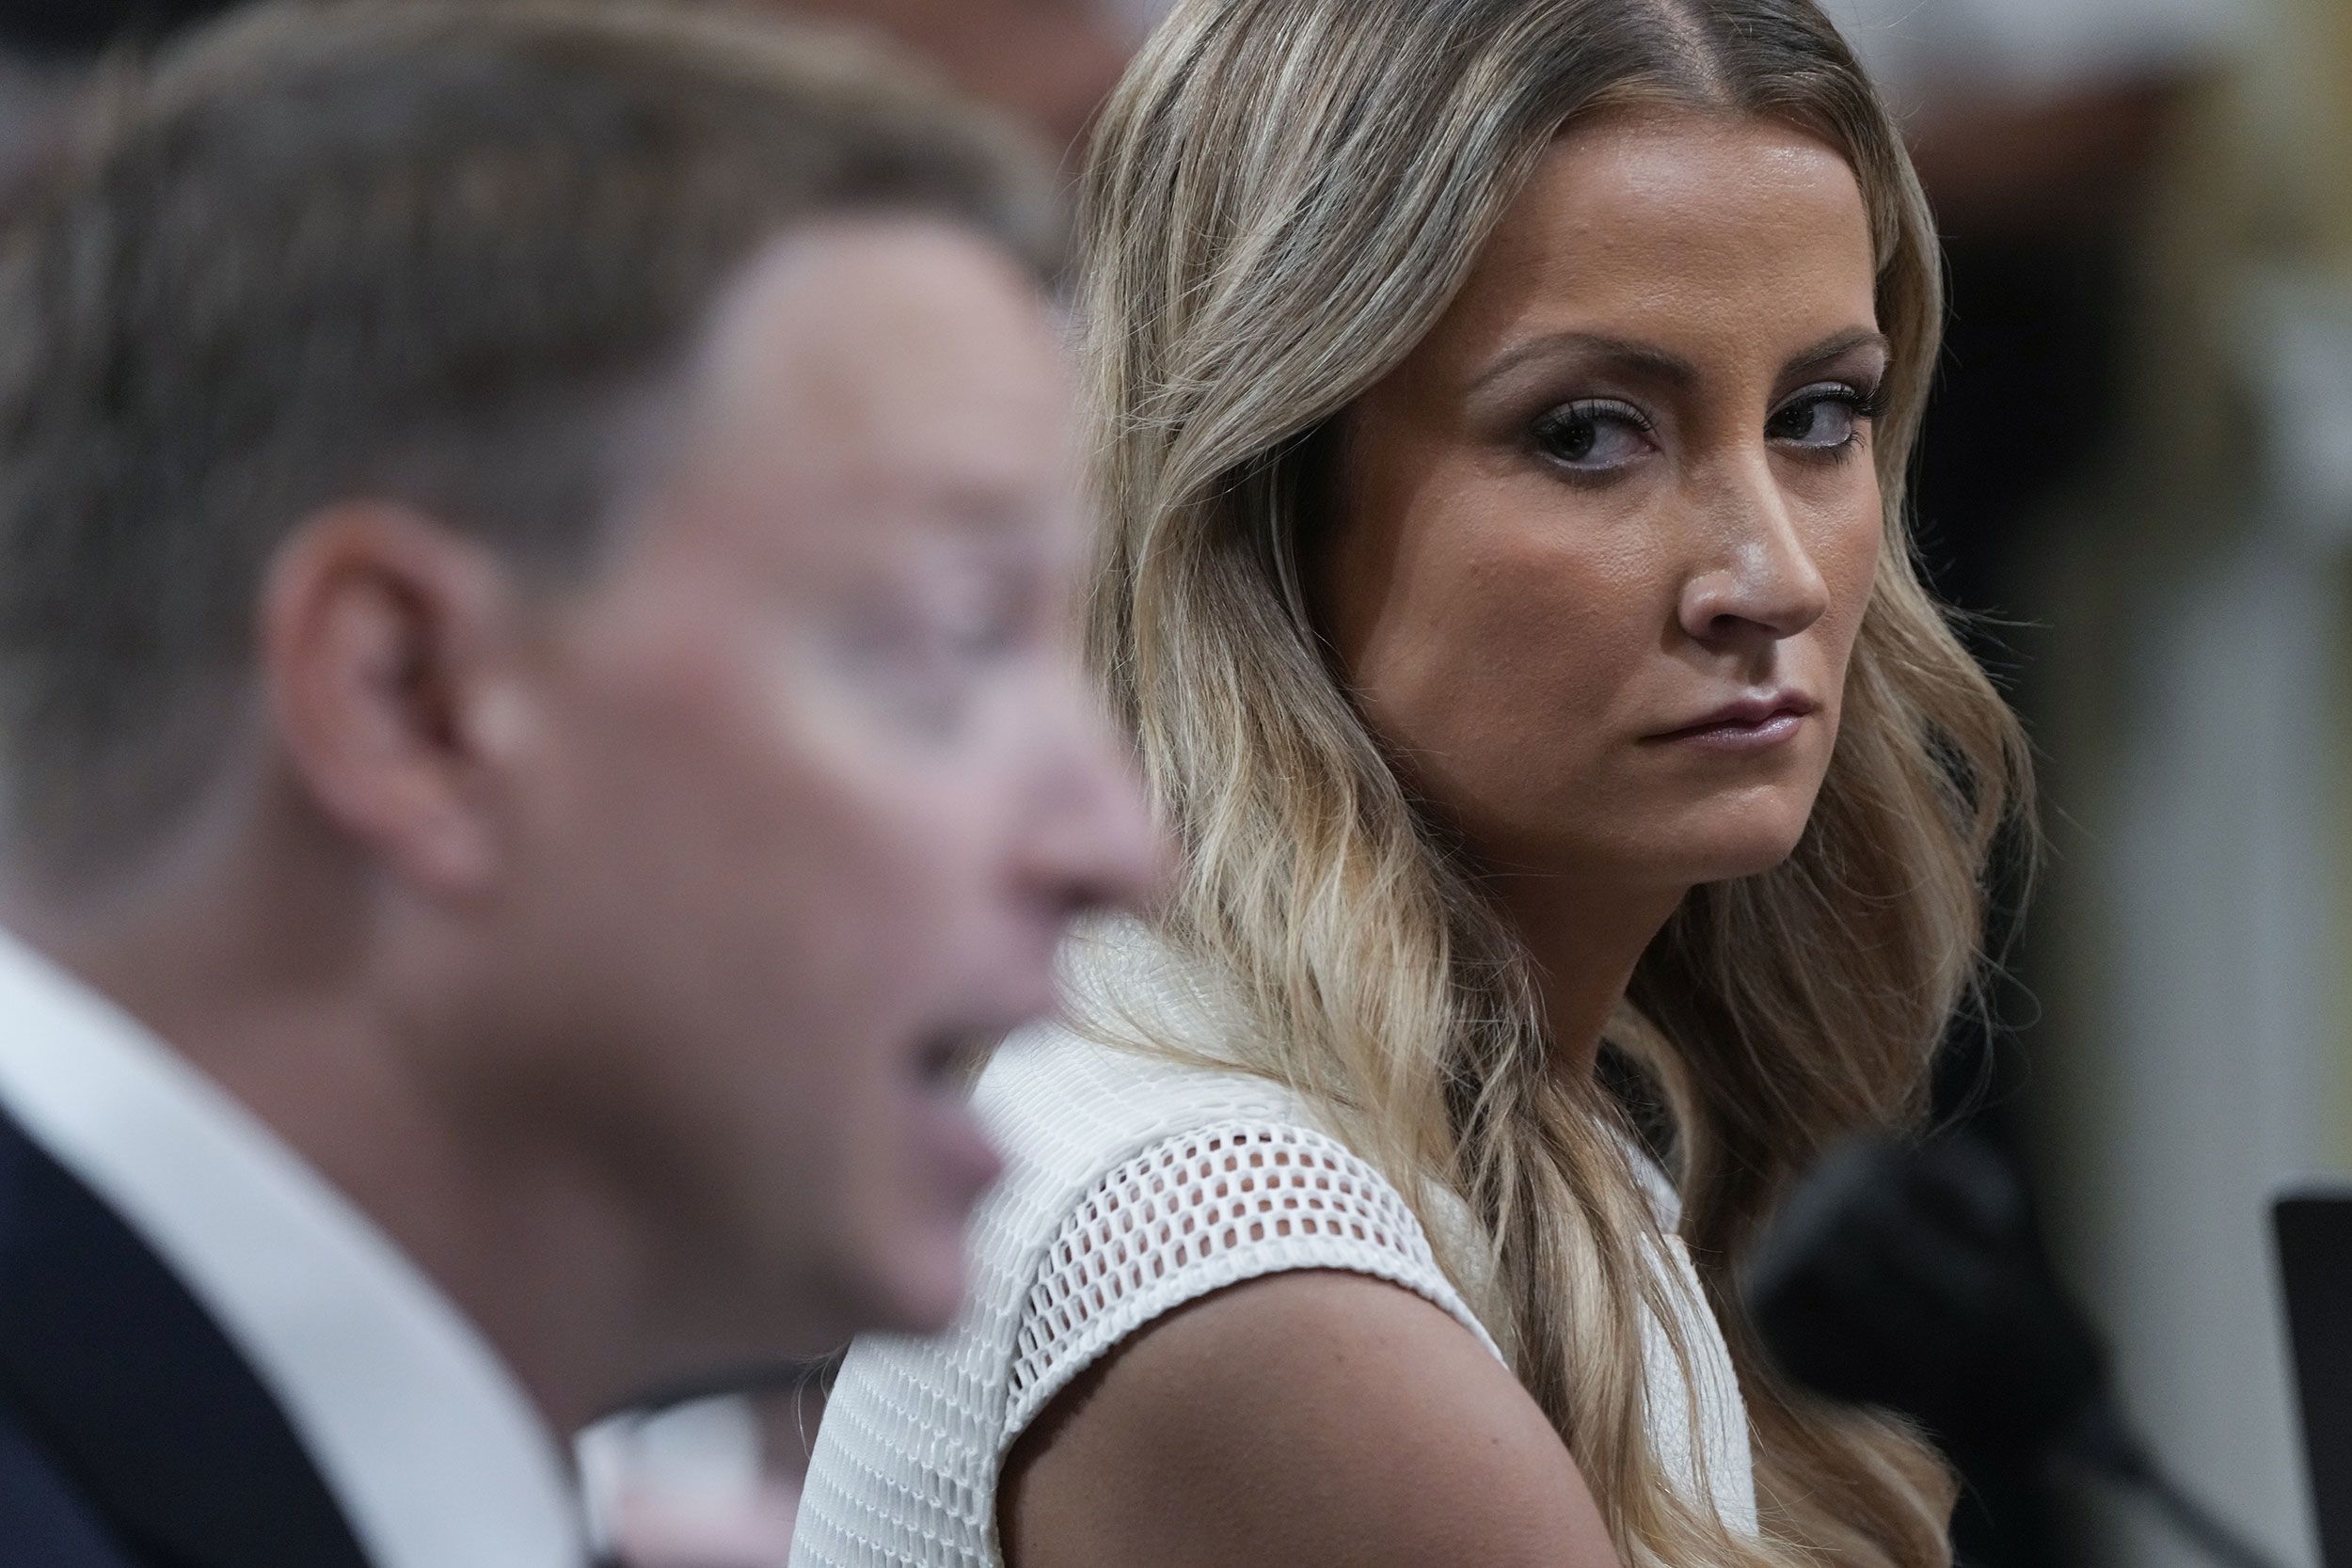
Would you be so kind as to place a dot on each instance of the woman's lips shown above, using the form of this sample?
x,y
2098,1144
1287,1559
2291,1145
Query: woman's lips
x,y
1751,725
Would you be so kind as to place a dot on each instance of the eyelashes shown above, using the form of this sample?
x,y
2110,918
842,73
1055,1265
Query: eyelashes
x,y
1594,437
1827,419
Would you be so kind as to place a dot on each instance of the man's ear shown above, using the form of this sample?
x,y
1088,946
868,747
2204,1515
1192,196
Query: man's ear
x,y
383,643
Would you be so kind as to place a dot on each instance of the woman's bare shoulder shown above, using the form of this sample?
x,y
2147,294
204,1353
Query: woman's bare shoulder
x,y
1305,1418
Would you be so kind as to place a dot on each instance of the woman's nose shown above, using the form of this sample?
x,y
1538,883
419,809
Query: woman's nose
x,y
1758,580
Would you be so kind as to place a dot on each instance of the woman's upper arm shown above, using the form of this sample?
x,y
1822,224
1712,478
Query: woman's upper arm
x,y
1301,1418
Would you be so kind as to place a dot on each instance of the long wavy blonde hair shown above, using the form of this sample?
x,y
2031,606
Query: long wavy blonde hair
x,y
1282,198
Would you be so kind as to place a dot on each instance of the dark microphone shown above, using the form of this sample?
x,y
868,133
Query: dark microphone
x,y
1913,1278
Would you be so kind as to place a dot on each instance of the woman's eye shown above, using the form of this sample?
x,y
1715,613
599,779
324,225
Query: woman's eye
x,y
1822,419
1593,438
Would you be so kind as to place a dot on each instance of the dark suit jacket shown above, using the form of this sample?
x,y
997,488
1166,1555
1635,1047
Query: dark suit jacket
x,y
132,1433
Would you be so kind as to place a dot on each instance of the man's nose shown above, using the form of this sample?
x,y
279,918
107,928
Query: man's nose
x,y
1095,842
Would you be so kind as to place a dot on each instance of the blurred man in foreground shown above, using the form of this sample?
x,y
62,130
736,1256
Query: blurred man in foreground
x,y
535,736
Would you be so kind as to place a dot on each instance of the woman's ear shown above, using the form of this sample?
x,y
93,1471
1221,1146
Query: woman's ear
x,y
383,638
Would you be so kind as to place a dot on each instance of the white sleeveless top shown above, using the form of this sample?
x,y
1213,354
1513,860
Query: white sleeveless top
x,y
1133,1186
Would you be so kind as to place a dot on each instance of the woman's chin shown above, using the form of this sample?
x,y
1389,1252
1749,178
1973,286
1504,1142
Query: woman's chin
x,y
1670,845
1748,848
1735,869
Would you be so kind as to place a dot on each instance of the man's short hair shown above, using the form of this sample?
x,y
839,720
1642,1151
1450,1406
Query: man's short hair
x,y
72,29
443,252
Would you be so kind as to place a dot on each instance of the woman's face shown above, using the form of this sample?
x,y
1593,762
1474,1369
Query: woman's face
x,y
1602,542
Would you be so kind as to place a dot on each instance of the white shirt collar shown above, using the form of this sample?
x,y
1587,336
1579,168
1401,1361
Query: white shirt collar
x,y
419,1429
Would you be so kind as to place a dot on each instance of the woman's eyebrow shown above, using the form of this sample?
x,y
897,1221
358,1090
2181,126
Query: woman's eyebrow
x,y
1838,346
1646,361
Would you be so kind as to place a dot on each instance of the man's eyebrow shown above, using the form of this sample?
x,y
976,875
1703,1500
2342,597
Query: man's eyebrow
x,y
1838,346
982,506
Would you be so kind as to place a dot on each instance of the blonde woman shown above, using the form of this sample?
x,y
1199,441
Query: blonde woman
x,y
1503,407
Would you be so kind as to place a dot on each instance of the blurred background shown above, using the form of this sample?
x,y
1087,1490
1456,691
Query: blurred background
x,y
2138,477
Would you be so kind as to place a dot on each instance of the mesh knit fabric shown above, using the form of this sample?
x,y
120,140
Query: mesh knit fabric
x,y
1132,1186
1196,1213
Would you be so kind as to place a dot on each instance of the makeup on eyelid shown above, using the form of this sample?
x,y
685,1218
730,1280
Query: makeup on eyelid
x,y
1568,433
